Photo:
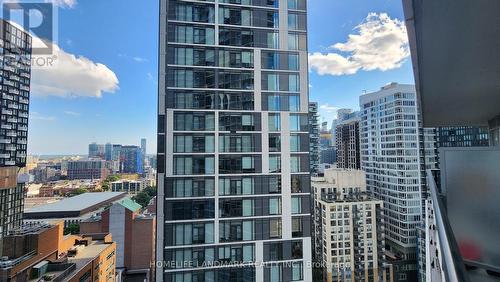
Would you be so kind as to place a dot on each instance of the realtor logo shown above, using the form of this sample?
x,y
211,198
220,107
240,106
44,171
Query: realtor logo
x,y
37,18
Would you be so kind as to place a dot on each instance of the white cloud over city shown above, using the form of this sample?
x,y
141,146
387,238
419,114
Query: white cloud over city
x,y
378,43
328,112
72,76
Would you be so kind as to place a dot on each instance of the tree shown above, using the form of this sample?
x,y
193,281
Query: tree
x,y
78,191
143,197
106,183
73,228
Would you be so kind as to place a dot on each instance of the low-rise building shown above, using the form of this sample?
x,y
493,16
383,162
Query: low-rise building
x,y
47,255
73,209
134,234
129,186
348,229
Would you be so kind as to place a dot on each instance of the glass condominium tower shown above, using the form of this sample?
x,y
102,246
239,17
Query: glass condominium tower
x,y
233,142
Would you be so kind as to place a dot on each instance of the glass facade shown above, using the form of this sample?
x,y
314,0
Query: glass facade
x,y
15,75
233,106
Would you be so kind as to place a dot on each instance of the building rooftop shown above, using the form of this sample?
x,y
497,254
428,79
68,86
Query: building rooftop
x,y
130,204
74,206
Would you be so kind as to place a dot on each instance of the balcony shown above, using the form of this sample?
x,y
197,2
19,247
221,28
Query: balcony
x,y
452,243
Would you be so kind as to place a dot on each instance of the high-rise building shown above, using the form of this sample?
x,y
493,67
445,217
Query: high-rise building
x,y
347,146
392,144
233,141
131,160
342,114
108,151
87,169
348,233
96,150
462,136
327,155
143,147
15,50
314,149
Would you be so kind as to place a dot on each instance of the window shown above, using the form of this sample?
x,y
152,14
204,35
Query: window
x,y
192,34
274,143
274,122
294,164
293,21
238,143
272,82
293,41
184,165
274,163
296,205
235,58
297,271
191,56
199,233
275,273
194,143
239,122
297,227
275,228
239,164
235,16
235,101
298,122
293,83
235,80
295,143
236,37
236,186
237,230
191,99
247,163
274,206
293,62
193,187
194,121
273,103
294,103
191,78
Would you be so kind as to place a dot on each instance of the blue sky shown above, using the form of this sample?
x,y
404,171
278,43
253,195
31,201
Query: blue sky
x,y
105,90
331,22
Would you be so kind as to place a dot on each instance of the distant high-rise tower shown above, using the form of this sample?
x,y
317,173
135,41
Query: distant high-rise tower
x,y
143,147
96,150
15,52
392,145
131,160
108,151
233,141
347,146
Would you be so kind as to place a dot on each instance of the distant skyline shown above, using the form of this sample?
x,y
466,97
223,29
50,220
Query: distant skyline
x,y
105,90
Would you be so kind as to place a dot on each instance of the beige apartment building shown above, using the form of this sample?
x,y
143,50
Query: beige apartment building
x,y
349,240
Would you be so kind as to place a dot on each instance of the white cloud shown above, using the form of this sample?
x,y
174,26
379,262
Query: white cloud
x,y
63,3
328,108
139,59
72,76
37,116
379,43
71,113
328,112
